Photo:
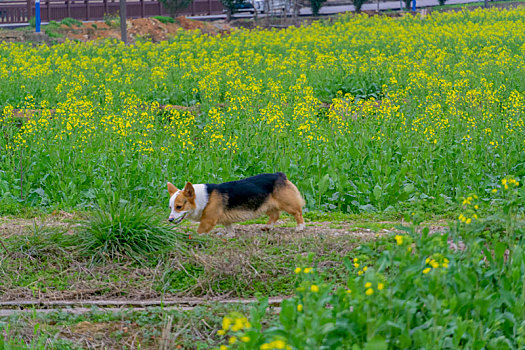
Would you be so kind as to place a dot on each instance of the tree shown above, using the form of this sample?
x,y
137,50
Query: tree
x,y
123,22
316,6
231,7
358,4
173,6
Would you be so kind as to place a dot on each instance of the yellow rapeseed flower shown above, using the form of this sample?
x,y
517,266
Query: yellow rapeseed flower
x,y
399,239
300,307
297,270
368,285
226,323
380,286
369,291
427,270
314,288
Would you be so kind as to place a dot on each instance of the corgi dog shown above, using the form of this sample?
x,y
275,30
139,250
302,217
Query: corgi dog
x,y
236,201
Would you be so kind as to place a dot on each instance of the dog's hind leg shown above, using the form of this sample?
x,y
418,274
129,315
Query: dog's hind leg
x,y
289,199
273,215
298,215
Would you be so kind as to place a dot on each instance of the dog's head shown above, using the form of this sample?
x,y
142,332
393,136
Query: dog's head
x,y
181,202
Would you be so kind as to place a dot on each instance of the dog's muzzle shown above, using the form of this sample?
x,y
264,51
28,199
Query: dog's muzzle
x,y
178,220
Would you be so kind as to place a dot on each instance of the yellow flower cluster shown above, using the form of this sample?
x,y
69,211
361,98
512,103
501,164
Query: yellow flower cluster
x,y
471,207
434,262
509,182
356,265
370,290
306,270
276,344
340,90
234,322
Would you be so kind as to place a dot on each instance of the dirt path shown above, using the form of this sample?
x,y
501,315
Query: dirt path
x,y
66,222
37,273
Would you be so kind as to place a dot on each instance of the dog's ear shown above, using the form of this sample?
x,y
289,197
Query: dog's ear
x,y
189,191
172,189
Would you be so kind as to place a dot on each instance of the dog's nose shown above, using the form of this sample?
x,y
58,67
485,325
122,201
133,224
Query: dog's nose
x,y
170,219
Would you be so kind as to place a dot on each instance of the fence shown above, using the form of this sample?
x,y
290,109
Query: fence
x,y
19,11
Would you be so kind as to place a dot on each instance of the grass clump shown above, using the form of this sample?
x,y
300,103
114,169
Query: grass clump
x,y
52,29
68,21
164,19
118,229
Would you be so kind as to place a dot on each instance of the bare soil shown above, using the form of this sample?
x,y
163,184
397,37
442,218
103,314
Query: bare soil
x,y
145,28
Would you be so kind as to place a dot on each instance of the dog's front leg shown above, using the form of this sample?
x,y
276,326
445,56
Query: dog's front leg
x,y
206,226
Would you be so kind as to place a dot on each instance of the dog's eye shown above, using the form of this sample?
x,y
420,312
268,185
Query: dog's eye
x,y
178,207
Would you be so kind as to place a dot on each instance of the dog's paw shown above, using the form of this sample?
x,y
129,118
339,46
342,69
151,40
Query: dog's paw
x,y
227,232
300,227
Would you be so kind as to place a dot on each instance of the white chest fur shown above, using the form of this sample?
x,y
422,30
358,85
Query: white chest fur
x,y
201,200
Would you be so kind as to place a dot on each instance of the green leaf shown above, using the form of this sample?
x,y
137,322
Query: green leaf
x,y
499,250
376,343
287,314
377,192
323,184
409,188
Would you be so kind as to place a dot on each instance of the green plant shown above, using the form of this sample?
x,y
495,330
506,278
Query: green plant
x,y
119,229
112,19
68,21
52,29
42,239
358,4
164,19
379,124
230,6
316,6
423,290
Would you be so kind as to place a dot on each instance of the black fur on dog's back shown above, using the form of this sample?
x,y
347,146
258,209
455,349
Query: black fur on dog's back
x,y
249,193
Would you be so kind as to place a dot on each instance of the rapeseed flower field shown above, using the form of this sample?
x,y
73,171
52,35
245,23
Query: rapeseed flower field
x,y
361,113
